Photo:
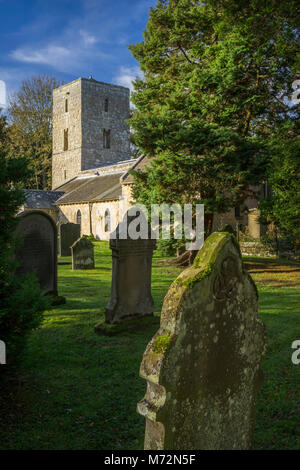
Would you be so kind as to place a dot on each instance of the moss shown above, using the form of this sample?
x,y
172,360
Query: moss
x,y
201,275
161,344
190,282
206,257
211,248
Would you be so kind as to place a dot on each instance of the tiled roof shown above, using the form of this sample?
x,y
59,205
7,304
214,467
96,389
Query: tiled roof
x,y
93,188
140,164
36,199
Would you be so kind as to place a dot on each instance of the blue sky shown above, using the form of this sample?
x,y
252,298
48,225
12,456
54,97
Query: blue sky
x,y
70,39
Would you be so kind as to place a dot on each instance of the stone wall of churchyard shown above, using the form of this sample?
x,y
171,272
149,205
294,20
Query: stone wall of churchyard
x,y
66,117
93,219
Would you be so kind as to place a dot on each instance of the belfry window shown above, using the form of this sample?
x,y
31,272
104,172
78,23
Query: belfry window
x,y
106,105
107,220
106,138
66,139
78,217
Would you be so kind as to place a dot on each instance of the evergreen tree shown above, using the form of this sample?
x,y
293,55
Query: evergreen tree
x,y
216,77
282,206
21,300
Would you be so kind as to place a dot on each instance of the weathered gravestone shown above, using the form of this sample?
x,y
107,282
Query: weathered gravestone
x,y
68,234
83,254
131,273
203,366
38,251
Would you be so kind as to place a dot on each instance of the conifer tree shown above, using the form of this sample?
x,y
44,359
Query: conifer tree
x,y
217,75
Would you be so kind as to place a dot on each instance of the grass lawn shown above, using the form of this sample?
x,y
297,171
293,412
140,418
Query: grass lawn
x,y
77,390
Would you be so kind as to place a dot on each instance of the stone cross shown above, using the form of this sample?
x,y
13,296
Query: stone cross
x,y
68,234
38,248
203,366
131,275
82,254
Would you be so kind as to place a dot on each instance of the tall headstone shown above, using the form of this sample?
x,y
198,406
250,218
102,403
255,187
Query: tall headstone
x,y
38,251
68,234
203,366
131,274
82,254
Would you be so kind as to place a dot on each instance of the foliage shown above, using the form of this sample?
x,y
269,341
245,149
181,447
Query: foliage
x,y
21,301
282,207
169,247
216,78
30,131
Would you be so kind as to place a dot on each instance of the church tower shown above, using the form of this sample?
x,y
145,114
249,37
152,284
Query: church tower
x,y
89,127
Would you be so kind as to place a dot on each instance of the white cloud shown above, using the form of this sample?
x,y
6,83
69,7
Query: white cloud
x,y
50,55
127,75
72,56
88,39
2,94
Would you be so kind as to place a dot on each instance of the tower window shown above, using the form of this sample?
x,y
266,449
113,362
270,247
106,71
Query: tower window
x,y
106,105
78,217
106,138
65,174
66,105
107,221
66,139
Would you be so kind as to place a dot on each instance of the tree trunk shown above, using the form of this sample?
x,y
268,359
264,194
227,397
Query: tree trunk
x,y
187,258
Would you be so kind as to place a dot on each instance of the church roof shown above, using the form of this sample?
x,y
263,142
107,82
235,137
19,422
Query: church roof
x,y
139,164
91,188
38,199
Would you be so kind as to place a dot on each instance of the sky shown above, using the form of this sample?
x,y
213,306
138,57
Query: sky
x,y
69,39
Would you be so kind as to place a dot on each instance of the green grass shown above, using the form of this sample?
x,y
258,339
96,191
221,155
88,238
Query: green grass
x,y
78,390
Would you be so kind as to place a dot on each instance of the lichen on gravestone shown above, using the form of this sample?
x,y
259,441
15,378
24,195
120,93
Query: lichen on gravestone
x,y
203,366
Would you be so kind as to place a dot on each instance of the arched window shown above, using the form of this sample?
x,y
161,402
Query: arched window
x,y
106,105
78,217
107,220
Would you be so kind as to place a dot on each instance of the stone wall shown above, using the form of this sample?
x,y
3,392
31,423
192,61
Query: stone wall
x,y
127,195
66,164
85,108
54,213
92,217
95,119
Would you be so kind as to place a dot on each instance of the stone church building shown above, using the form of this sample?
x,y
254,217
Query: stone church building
x,y
91,161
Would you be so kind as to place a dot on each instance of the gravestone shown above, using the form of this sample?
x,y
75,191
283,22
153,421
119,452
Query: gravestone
x,y
131,274
82,254
38,250
68,234
203,366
